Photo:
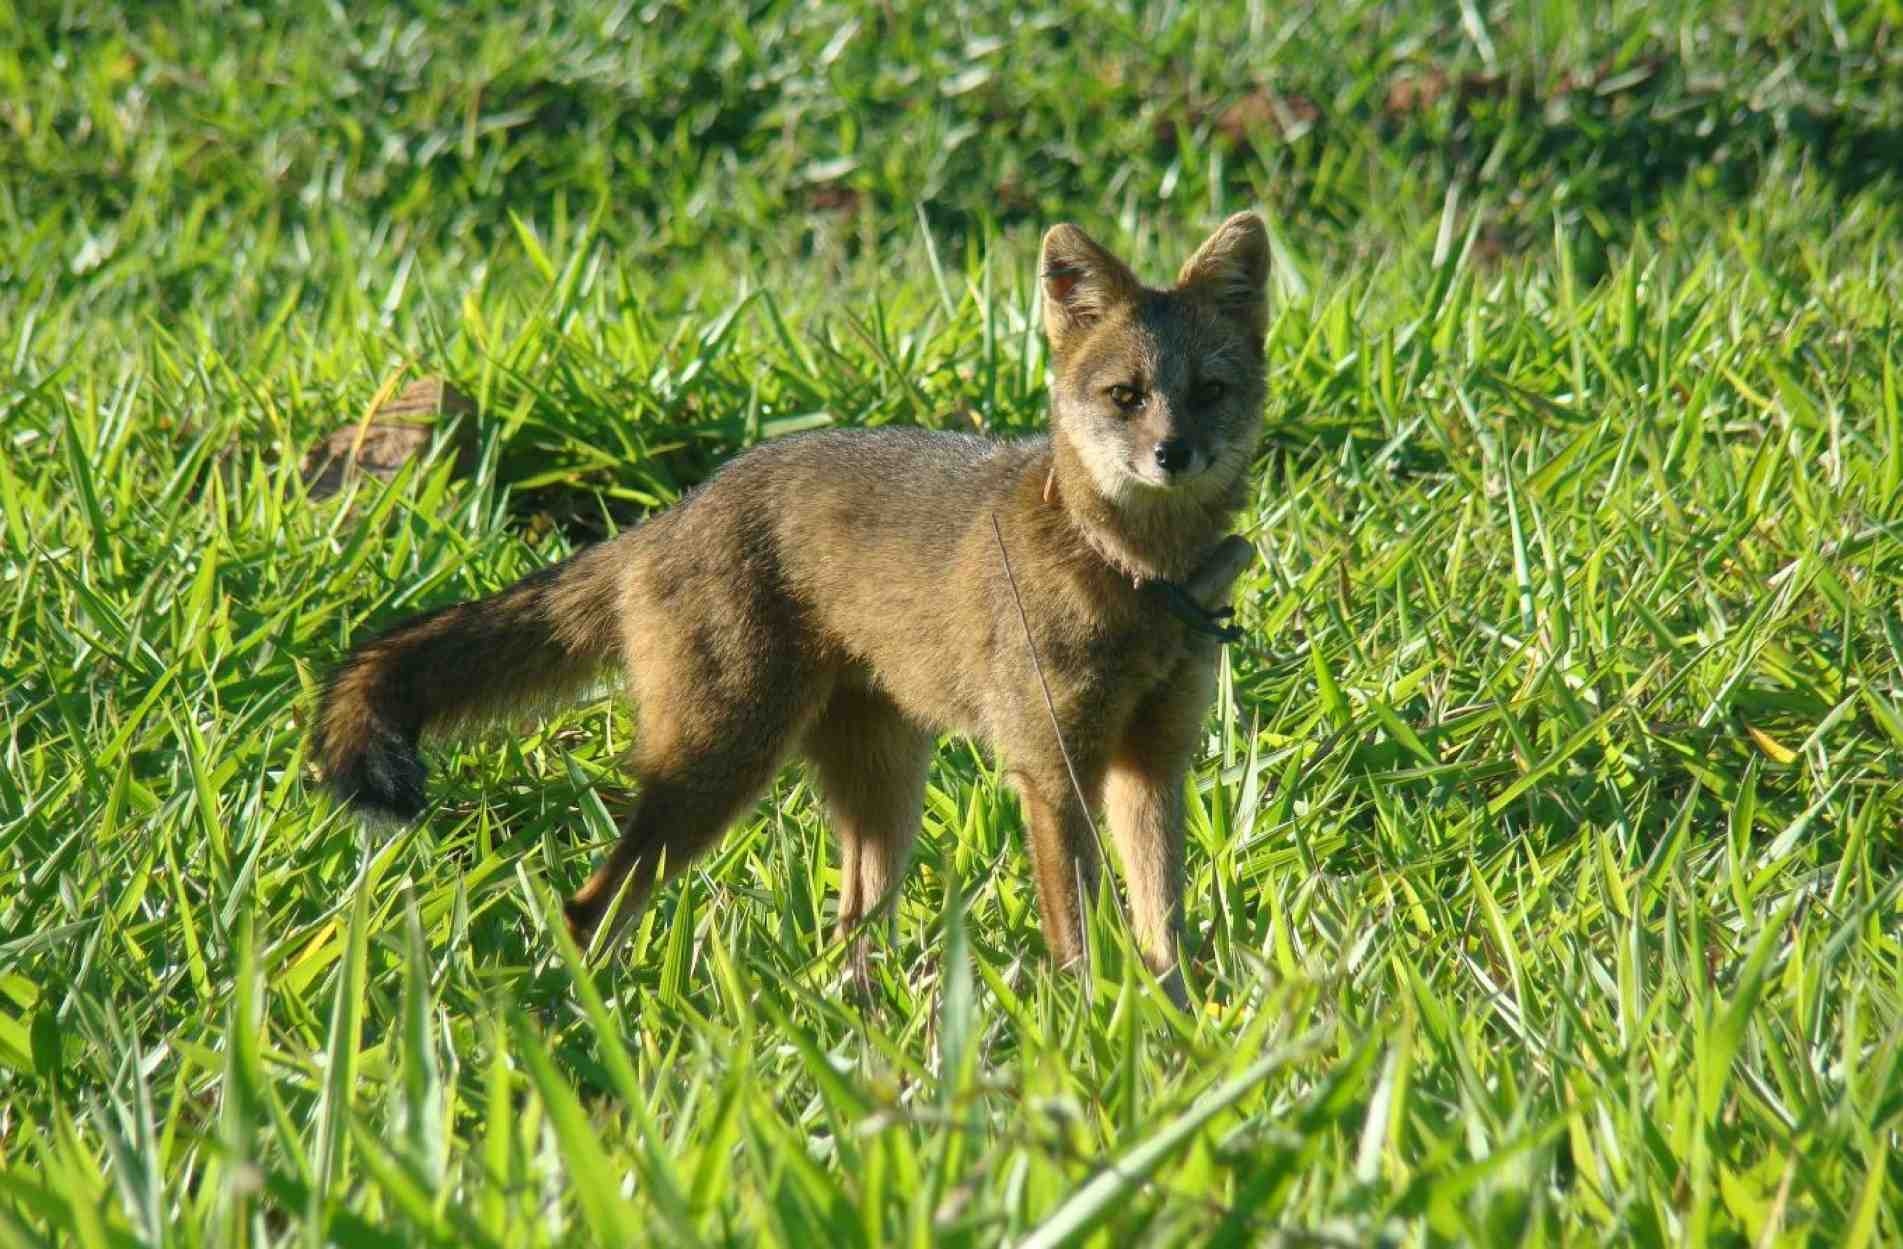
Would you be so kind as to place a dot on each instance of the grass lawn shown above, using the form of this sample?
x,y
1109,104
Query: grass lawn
x,y
1546,846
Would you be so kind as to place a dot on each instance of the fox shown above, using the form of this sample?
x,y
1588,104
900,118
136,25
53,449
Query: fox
x,y
846,596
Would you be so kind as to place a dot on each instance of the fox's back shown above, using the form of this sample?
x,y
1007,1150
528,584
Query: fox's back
x,y
871,517
856,546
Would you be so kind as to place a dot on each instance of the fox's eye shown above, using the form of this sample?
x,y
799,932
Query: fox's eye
x,y
1208,393
1126,397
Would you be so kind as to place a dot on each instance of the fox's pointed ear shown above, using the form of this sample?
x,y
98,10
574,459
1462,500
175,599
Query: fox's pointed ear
x,y
1082,281
1231,271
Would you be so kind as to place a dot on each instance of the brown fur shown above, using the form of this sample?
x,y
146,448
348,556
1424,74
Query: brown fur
x,y
841,597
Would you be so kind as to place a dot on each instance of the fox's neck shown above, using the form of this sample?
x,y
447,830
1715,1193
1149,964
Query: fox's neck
x,y
1142,534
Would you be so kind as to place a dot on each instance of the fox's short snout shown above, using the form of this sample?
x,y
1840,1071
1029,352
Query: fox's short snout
x,y
844,597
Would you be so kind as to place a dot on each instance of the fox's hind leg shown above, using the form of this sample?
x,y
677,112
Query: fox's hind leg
x,y
676,818
709,739
871,764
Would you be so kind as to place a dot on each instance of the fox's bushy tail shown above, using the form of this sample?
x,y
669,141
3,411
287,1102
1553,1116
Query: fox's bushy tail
x,y
546,637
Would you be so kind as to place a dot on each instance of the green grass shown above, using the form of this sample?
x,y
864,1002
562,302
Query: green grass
x,y
1545,852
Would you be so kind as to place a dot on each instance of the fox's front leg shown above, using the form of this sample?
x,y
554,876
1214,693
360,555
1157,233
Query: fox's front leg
x,y
1144,793
1064,857
1145,810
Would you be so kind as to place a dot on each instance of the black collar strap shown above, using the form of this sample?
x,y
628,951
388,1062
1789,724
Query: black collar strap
x,y
1200,619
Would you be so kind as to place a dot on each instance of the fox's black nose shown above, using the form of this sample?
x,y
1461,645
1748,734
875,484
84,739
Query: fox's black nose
x,y
1172,455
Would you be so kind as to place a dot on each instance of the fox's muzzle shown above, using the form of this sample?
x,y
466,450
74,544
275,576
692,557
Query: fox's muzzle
x,y
1170,462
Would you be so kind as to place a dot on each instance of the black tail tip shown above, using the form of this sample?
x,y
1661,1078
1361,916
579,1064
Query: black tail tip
x,y
383,780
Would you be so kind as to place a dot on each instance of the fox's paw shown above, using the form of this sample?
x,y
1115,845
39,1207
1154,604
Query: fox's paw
x,y
1171,982
856,984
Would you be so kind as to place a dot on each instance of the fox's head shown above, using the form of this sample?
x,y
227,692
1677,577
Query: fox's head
x,y
1158,392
